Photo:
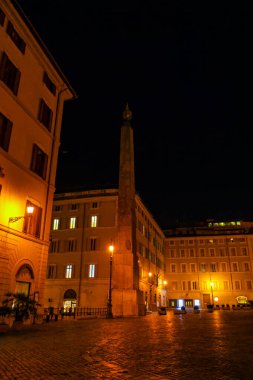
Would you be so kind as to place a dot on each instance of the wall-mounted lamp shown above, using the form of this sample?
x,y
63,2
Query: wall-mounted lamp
x,y
29,212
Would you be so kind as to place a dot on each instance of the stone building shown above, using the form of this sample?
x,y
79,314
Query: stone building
x,y
33,90
209,263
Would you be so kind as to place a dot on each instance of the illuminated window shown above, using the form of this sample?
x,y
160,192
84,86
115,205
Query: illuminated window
x,y
68,271
94,221
51,271
56,224
72,222
5,132
92,270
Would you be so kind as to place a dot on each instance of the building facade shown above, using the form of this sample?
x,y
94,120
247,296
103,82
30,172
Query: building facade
x,y
33,90
209,263
84,225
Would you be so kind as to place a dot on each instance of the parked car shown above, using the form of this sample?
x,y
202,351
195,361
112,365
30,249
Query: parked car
x,y
162,311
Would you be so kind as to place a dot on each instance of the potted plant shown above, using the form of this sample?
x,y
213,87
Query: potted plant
x,y
20,306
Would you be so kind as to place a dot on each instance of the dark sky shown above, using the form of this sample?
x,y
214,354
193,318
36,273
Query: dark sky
x,y
185,70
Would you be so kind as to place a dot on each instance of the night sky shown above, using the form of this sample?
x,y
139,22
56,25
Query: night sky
x,y
185,70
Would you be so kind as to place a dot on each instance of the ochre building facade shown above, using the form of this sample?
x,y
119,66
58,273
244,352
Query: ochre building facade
x,y
32,94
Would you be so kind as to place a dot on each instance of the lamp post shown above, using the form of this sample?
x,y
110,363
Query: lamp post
x,y
109,308
211,285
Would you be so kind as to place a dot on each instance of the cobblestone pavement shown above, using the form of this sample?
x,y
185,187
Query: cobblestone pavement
x,y
216,345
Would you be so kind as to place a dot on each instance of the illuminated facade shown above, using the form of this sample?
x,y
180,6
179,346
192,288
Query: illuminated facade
x,y
32,92
209,263
84,224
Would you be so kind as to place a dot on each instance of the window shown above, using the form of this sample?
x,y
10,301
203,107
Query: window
x,y
173,268
225,285
246,267
235,267
202,252
50,85
72,222
244,252
72,245
212,252
213,267
221,252
18,41
57,208
191,252
232,251
181,242
249,285
32,222
74,206
172,253
5,132
223,267
93,244
171,242
2,17
94,220
51,272
69,271
194,285
183,268
9,74
237,285
203,267
183,285
182,252
174,285
94,205
56,224
39,162
190,242
193,267
54,246
45,115
92,270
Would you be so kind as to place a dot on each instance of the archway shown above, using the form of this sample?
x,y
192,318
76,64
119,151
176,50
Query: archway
x,y
69,300
24,279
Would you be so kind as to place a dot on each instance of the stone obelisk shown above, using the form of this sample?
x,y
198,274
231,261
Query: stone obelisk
x,y
127,299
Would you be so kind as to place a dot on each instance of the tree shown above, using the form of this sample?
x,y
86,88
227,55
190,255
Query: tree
x,y
20,306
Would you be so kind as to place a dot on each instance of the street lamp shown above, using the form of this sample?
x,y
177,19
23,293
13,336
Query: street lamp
x,y
211,285
29,212
109,308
